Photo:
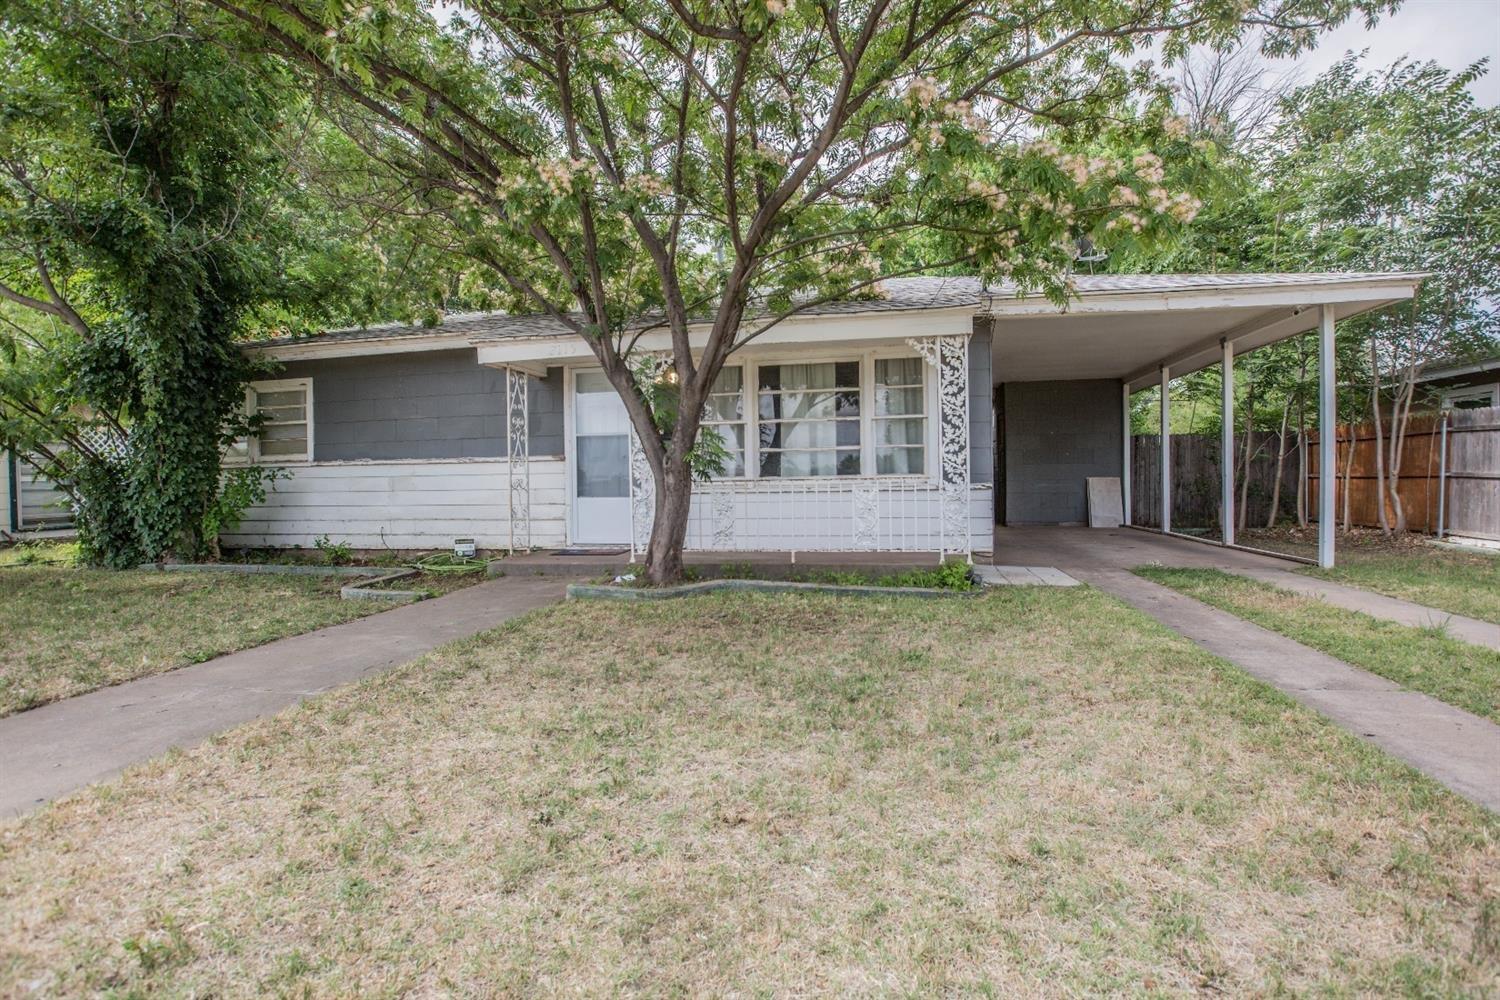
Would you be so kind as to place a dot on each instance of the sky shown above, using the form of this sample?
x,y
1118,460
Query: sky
x,y
1454,33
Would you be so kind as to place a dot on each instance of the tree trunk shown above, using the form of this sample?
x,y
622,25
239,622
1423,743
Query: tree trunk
x,y
1385,524
1286,414
1400,419
1241,513
674,500
1348,470
1302,478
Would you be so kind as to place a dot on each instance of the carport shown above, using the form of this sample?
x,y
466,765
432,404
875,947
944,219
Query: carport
x,y
1064,379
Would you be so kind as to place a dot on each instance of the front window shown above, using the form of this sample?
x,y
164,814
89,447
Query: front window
x,y
900,418
285,409
725,415
809,419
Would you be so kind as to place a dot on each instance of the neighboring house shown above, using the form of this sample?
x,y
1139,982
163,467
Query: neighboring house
x,y
29,503
912,421
1473,385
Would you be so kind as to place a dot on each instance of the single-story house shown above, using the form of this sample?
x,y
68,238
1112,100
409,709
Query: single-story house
x,y
911,421
1469,385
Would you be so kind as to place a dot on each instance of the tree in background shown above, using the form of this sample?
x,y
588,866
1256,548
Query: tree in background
x,y
630,167
1394,169
149,218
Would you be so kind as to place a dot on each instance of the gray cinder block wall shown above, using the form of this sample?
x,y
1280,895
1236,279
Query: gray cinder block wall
x,y
1057,434
432,404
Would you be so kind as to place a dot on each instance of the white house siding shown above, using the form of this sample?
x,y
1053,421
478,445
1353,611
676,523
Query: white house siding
x,y
419,504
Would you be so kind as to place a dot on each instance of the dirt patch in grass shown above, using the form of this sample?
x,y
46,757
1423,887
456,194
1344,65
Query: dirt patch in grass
x,y
1037,792
67,631
1423,659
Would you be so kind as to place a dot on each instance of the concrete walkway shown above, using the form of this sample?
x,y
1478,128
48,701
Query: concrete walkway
x,y
1480,633
1450,745
58,748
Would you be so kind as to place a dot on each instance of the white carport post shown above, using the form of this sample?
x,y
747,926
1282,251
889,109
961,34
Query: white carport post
x,y
1327,384
1125,454
1166,451
1226,444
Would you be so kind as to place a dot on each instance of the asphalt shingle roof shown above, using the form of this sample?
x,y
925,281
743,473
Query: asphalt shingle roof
x,y
898,295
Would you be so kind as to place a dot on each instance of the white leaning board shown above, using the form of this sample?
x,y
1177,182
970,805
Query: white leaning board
x,y
1106,509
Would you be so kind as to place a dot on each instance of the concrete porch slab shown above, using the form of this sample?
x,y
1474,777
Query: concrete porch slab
x,y
1023,576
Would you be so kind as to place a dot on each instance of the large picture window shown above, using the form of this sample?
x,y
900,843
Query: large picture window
x,y
860,416
285,409
809,419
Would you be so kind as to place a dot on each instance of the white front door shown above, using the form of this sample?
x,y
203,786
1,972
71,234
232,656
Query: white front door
x,y
601,462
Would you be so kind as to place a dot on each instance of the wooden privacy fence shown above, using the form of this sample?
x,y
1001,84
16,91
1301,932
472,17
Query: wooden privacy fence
x,y
1195,479
1470,477
1472,474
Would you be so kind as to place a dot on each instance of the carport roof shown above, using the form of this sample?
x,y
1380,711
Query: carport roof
x,y
1127,326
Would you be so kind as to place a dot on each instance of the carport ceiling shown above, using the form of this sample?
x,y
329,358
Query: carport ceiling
x,y
1128,336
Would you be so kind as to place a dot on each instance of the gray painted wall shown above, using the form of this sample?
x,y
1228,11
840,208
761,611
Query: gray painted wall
x,y
981,404
436,404
1056,435
444,404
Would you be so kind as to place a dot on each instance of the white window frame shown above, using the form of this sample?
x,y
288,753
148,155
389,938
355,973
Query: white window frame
x,y
866,357
253,442
1451,397
746,421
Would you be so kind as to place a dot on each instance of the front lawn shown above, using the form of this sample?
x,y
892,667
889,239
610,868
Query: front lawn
x,y
67,631
1402,566
1463,583
1034,792
1423,659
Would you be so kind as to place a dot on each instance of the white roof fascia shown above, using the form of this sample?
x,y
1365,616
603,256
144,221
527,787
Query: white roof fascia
x,y
1454,371
864,327
360,347
1391,287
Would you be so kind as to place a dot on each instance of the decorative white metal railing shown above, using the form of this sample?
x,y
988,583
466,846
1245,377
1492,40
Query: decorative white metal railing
x,y
846,514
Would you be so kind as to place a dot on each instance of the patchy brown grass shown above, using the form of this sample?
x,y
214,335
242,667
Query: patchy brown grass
x,y
67,631
1036,792
1463,583
1423,659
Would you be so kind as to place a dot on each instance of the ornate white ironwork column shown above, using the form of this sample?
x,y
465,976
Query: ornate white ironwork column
x,y
724,526
950,357
518,453
866,517
647,368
